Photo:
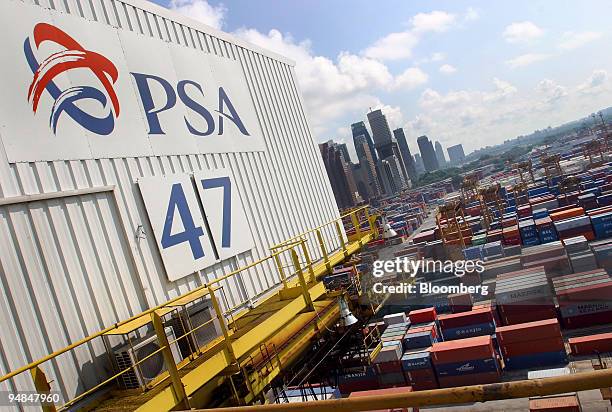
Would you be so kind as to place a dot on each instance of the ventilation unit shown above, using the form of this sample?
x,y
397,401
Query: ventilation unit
x,y
148,370
190,318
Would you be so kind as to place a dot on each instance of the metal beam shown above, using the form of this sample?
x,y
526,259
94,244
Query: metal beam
x,y
13,200
466,394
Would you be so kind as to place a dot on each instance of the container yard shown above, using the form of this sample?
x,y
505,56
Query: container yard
x,y
166,248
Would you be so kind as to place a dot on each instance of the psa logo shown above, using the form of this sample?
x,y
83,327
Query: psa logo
x,y
76,56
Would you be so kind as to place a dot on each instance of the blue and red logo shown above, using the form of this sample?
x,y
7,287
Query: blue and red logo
x,y
74,56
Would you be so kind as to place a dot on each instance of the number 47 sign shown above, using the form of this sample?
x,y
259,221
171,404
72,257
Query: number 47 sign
x,y
196,219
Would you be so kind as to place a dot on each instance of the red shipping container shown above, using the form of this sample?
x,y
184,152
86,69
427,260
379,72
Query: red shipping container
x,y
555,404
541,329
431,329
387,391
527,316
532,346
586,345
479,347
388,367
473,317
583,321
471,379
422,315
594,292
421,375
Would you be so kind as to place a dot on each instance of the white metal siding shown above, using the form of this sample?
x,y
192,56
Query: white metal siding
x,y
70,266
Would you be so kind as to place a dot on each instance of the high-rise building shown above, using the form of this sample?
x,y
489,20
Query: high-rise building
x,y
344,150
368,166
340,175
456,155
406,155
428,154
418,163
384,142
391,175
360,129
440,155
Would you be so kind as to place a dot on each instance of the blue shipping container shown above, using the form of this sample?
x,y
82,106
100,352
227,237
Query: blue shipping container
x,y
416,360
469,331
467,367
535,360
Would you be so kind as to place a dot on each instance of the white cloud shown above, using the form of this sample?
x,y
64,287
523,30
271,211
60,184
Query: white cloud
x,y
447,69
551,91
572,40
394,46
471,14
503,90
522,32
597,82
411,78
331,88
399,45
526,59
201,10
436,21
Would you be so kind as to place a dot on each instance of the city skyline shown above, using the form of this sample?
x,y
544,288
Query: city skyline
x,y
464,72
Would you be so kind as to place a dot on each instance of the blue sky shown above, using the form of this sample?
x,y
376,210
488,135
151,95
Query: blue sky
x,y
470,72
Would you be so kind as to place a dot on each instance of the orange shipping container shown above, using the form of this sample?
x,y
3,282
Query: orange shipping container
x,y
555,404
566,214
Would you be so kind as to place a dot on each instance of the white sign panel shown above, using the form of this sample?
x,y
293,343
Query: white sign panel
x,y
77,89
224,212
178,225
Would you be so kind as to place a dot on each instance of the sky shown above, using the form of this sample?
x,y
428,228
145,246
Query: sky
x,y
469,72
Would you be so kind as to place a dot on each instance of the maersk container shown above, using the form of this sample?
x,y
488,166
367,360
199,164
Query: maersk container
x,y
78,245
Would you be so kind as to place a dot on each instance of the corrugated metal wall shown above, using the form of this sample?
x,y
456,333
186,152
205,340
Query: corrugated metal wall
x,y
70,266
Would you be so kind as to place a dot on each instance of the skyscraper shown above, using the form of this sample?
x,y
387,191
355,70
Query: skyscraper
x,y
344,150
340,175
418,163
360,129
428,154
368,166
406,155
440,155
391,175
384,142
456,155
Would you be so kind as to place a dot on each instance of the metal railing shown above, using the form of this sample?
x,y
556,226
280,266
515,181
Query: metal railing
x,y
299,258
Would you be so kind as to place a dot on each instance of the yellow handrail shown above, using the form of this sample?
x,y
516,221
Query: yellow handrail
x,y
301,235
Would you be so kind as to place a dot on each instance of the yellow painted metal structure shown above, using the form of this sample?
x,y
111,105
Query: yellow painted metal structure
x,y
257,342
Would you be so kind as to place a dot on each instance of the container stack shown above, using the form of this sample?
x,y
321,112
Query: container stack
x,y
388,365
361,378
422,315
602,225
575,226
565,402
418,369
465,362
529,233
580,255
524,296
511,235
603,254
467,324
551,256
591,344
420,336
585,299
546,229
460,302
531,344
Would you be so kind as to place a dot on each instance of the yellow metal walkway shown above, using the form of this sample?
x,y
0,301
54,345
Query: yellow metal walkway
x,y
256,344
